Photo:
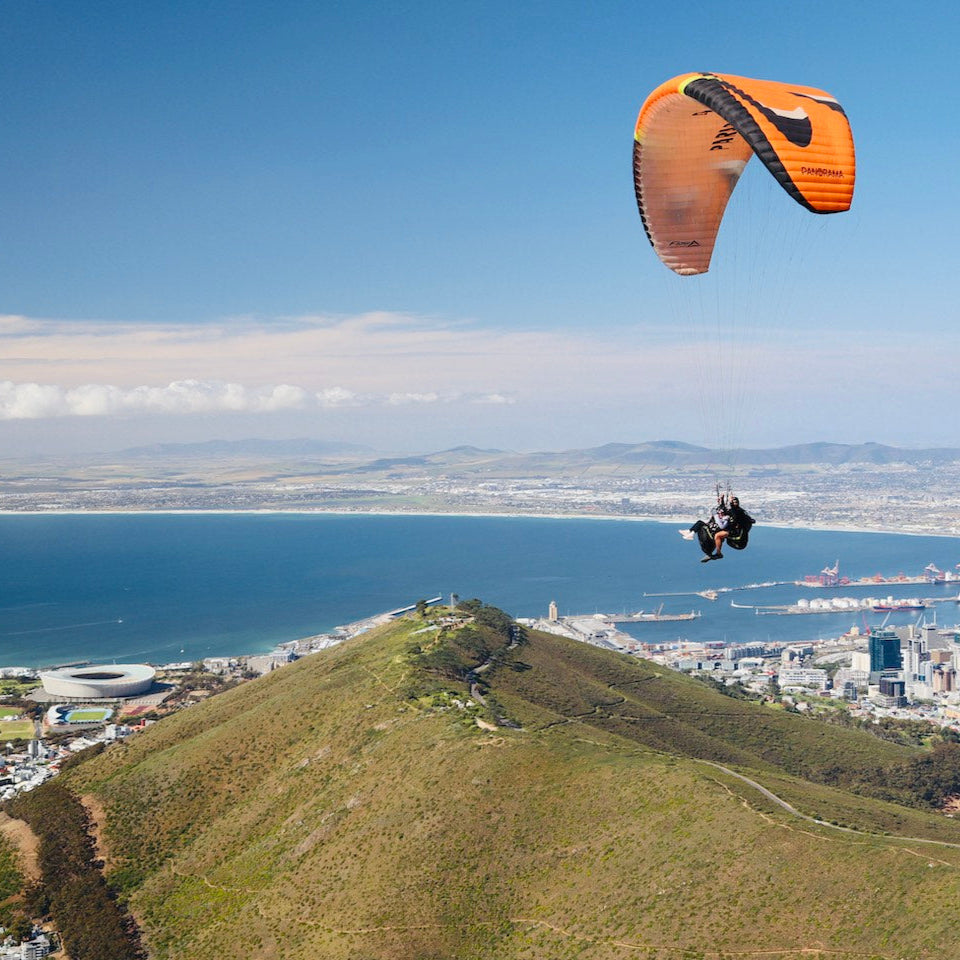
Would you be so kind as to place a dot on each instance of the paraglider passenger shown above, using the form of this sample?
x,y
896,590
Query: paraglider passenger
x,y
719,520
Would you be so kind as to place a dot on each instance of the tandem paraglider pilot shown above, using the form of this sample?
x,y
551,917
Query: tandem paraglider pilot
x,y
728,524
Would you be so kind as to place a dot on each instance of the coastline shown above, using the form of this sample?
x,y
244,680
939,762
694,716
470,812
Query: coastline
x,y
258,643
670,519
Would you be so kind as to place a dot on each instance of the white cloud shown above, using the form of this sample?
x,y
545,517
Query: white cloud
x,y
26,401
338,397
34,401
31,401
494,399
399,399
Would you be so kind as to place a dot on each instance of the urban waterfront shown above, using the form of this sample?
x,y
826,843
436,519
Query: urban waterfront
x,y
162,588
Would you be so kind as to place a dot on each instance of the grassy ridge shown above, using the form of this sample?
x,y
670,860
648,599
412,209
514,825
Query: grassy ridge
x,y
346,806
658,708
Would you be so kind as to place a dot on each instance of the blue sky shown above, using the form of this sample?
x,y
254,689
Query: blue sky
x,y
413,226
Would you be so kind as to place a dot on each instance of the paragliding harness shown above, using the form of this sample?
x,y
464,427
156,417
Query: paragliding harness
x,y
738,527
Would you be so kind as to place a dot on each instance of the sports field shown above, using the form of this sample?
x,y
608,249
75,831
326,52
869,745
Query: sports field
x,y
16,730
91,715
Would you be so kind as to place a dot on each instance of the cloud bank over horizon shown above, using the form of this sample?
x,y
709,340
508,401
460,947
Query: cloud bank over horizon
x,y
386,377
34,401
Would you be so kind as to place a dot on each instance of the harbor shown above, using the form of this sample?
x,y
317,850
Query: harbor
x,y
844,605
831,577
854,605
657,616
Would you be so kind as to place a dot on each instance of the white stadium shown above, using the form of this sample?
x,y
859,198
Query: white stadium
x,y
110,682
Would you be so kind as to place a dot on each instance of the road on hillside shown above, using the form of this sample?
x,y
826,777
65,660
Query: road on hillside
x,y
822,823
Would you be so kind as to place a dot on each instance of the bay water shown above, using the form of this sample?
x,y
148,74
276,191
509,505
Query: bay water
x,y
162,588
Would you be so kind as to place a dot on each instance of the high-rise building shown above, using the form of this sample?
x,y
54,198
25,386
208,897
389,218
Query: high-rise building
x,y
884,647
944,679
552,615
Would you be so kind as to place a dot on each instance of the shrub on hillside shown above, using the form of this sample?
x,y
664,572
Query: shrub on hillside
x,y
72,888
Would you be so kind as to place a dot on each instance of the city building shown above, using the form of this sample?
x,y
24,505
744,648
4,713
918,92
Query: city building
x,y
892,692
884,648
804,677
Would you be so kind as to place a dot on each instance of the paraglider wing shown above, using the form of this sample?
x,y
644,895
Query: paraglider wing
x,y
694,137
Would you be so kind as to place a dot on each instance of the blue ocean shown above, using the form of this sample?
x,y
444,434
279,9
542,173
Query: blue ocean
x,y
163,588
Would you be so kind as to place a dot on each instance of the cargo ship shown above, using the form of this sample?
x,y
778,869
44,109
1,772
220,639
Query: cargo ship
x,y
892,606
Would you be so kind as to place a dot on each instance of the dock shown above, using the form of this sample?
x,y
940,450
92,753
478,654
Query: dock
x,y
844,605
713,592
641,617
830,577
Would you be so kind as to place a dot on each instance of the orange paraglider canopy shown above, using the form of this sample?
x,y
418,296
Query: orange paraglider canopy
x,y
694,136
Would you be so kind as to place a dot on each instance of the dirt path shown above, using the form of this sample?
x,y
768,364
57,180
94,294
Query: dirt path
x,y
98,819
823,823
26,843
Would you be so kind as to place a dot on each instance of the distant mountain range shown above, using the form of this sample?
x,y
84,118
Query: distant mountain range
x,y
666,452
659,453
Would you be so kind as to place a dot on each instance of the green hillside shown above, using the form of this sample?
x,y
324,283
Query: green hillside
x,y
359,804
